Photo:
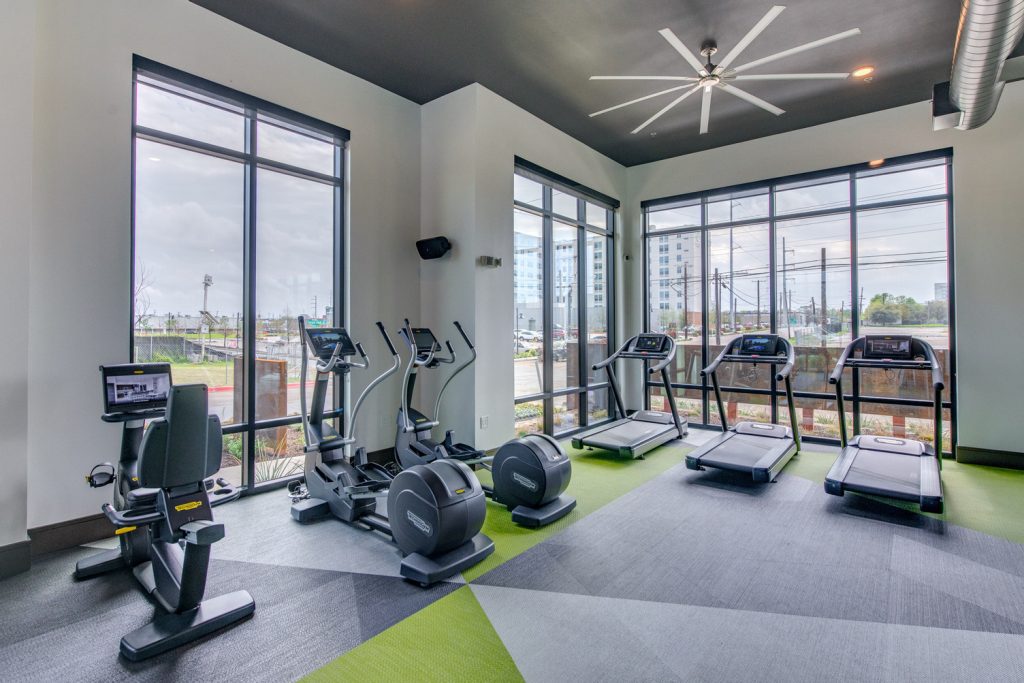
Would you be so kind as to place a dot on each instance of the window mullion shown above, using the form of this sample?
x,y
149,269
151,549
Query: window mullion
x,y
249,300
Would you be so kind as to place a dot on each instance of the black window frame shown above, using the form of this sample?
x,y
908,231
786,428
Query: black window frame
x,y
254,111
850,173
551,182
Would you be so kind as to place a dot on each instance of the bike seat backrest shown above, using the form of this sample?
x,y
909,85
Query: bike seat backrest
x,y
184,447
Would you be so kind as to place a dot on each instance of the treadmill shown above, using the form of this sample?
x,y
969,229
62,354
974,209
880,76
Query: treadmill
x,y
644,430
904,469
757,448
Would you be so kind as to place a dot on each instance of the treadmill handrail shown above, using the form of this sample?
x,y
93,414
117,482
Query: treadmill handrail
x,y
931,362
788,361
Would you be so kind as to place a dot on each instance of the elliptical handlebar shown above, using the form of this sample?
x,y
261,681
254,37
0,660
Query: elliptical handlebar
x,y
472,359
396,362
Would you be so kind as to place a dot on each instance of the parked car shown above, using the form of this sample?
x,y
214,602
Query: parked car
x,y
528,335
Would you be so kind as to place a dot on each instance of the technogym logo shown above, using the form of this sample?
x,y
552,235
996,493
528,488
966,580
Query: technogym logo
x,y
524,482
419,523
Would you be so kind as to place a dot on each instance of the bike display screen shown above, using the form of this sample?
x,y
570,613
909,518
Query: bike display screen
x,y
136,387
425,339
759,345
893,347
650,343
323,341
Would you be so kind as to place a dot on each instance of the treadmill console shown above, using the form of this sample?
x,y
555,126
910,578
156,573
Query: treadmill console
x,y
888,347
323,340
425,340
135,388
653,344
759,345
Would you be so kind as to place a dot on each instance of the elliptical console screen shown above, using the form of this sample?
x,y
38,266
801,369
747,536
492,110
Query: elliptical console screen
x,y
425,339
650,343
323,340
759,345
135,387
888,346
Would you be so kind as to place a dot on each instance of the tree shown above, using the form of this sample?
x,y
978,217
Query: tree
x,y
911,312
143,281
938,312
883,310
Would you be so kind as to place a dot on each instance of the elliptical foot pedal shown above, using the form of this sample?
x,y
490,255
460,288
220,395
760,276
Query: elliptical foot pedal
x,y
429,570
545,514
169,631
310,509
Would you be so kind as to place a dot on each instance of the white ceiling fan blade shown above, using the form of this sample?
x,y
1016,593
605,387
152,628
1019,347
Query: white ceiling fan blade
x,y
667,107
798,49
753,99
705,110
749,38
786,77
642,78
674,41
639,99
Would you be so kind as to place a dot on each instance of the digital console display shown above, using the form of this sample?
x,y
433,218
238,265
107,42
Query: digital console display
x,y
136,387
425,339
887,347
324,340
650,342
759,345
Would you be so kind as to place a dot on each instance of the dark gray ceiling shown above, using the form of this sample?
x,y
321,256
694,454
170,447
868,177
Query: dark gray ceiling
x,y
540,53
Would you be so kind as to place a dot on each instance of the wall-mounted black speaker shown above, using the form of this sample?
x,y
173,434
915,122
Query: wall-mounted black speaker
x,y
433,247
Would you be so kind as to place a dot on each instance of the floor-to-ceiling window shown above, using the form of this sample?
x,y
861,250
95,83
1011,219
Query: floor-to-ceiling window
x,y
819,258
237,230
563,301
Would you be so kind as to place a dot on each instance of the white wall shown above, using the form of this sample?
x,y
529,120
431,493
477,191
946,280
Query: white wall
x,y
81,249
988,230
17,45
467,192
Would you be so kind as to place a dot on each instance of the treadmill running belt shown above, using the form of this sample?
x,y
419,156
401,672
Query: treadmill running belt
x,y
743,450
629,433
891,472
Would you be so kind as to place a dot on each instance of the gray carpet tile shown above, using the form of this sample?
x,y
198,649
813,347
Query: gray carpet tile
x,y
55,628
558,637
716,539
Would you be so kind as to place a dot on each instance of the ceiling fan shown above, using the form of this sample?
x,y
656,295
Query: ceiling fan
x,y
711,76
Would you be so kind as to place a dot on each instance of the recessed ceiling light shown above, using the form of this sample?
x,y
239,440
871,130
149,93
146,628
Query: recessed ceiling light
x,y
875,163
862,71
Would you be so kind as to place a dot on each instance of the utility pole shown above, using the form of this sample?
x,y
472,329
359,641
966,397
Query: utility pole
x,y
314,307
814,311
686,301
786,298
207,283
718,309
824,307
758,304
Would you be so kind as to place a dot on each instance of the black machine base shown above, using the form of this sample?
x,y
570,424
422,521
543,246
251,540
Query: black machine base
x,y
310,509
545,514
428,570
100,563
169,631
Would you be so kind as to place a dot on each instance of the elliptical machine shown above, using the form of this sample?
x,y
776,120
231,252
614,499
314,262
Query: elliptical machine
x,y
162,500
434,512
530,474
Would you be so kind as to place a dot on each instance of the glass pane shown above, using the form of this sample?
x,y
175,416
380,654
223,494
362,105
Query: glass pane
x,y
529,418
189,235
232,458
674,299
738,274
819,196
528,191
597,216
916,182
598,303
740,407
279,453
598,406
670,219
170,113
564,204
565,322
294,275
731,207
294,149
566,413
528,288
813,284
905,422
816,417
688,402
904,289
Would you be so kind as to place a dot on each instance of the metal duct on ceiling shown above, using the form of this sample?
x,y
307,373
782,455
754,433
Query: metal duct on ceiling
x,y
988,32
